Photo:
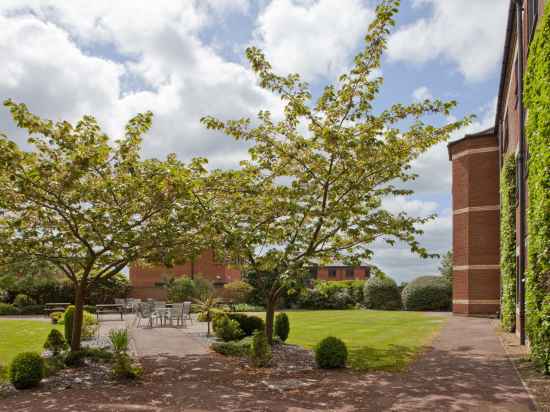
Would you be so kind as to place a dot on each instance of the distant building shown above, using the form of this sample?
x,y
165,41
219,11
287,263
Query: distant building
x,y
149,281
340,271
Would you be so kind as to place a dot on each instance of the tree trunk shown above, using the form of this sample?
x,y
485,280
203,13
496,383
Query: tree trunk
x,y
269,316
78,316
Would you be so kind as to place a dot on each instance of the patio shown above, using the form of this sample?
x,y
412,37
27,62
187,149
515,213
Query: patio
x,y
166,340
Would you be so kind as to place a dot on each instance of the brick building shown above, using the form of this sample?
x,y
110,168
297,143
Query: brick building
x,y
476,162
147,281
339,271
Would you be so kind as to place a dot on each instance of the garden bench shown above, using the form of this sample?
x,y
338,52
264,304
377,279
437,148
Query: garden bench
x,y
110,308
55,307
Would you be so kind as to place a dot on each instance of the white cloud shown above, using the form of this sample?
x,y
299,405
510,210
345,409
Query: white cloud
x,y
313,38
158,48
468,33
433,167
412,207
399,263
422,93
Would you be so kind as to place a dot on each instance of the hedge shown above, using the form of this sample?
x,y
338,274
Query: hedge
x,y
537,101
382,294
508,243
427,293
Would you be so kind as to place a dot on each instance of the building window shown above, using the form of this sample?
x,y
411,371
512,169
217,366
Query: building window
x,y
332,273
533,14
349,273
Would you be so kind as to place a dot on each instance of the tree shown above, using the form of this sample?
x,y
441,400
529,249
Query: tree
x,y
312,188
446,266
88,206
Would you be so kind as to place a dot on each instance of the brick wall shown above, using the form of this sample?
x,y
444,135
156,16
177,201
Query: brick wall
x,y
145,280
475,189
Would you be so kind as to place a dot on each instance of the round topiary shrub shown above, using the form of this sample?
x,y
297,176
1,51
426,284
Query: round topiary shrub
x,y
427,293
55,342
26,370
282,326
382,294
228,329
331,353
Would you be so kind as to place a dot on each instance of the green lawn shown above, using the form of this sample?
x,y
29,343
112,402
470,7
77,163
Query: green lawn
x,y
376,340
21,336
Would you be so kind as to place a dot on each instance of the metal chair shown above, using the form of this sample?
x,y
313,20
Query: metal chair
x,y
186,313
144,311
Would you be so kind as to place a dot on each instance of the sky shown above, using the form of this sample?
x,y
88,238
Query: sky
x,y
184,59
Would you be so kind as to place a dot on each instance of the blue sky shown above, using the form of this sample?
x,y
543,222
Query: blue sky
x,y
185,59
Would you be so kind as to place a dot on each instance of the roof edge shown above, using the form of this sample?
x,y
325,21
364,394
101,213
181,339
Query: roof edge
x,y
483,133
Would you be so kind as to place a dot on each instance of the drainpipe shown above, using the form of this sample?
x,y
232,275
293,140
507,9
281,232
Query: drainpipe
x,y
521,174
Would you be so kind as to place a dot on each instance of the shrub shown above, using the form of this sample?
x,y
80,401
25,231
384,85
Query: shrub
x,y
228,329
23,300
31,310
26,370
119,340
260,351
7,309
68,323
248,323
4,296
245,307
89,325
55,342
123,366
427,293
332,295
56,316
240,348
382,293
331,353
282,326
182,289
237,291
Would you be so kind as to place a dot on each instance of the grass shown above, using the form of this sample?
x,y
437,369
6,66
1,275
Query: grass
x,y
376,340
18,336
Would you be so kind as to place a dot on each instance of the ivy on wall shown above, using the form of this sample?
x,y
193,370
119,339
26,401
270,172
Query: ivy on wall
x,y
508,243
537,101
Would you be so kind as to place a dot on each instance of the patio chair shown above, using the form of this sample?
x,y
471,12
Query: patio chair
x,y
134,304
176,313
144,311
186,314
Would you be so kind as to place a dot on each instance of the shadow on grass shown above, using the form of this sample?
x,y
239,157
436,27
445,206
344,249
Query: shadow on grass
x,y
393,359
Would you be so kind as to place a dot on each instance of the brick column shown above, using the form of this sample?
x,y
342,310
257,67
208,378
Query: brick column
x,y
475,188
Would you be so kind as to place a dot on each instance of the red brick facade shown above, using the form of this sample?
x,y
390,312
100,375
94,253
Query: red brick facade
x,y
476,160
343,273
476,274
147,281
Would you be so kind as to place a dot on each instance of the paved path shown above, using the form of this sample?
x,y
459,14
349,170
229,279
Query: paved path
x,y
466,369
